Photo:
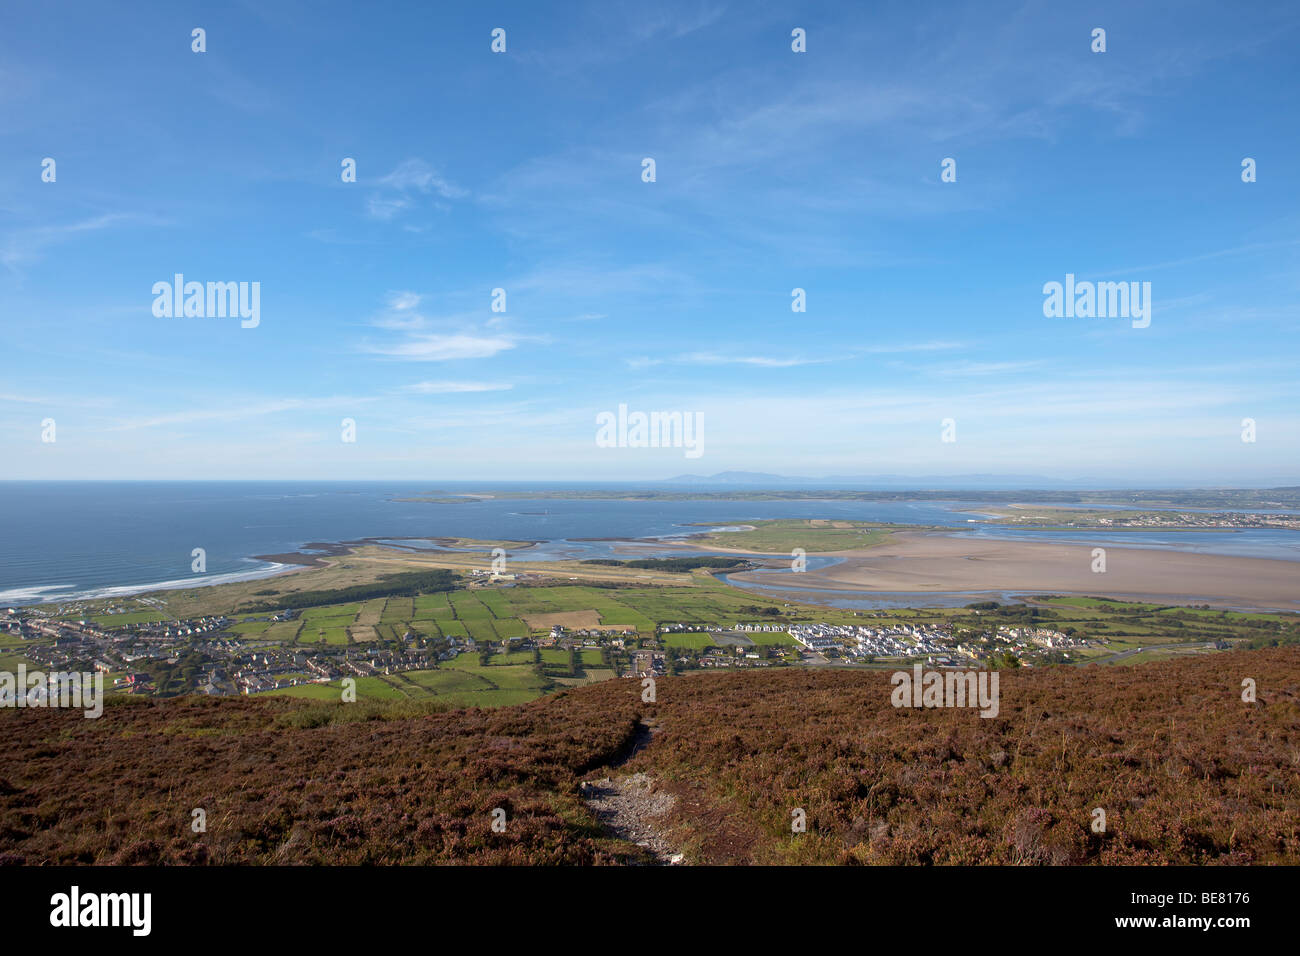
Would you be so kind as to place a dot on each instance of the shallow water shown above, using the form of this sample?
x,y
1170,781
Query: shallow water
x,y
64,540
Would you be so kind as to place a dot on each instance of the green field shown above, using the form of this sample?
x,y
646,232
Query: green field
x,y
490,615
495,615
691,640
368,688
781,536
281,631
348,611
130,617
313,634
462,683
10,661
772,638
398,609
514,657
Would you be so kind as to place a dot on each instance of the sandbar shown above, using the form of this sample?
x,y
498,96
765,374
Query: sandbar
x,y
920,562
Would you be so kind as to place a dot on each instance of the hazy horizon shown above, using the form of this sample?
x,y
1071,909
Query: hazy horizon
x,y
898,483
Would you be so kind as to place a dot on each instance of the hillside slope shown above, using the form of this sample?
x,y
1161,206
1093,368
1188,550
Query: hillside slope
x,y
1185,771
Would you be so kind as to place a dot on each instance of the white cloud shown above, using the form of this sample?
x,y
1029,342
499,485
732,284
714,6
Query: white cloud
x,y
714,358
415,175
917,347
24,246
982,368
384,208
441,348
450,388
403,300
398,190
220,413
26,399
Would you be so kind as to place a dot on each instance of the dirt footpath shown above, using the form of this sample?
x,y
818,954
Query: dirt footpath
x,y
632,807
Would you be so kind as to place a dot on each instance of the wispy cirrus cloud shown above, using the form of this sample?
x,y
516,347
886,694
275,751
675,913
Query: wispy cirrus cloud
x,y
238,413
972,368
24,399
415,175
26,245
442,348
400,312
437,339
403,300
400,189
624,30
716,357
762,361
386,207
909,347
1249,248
455,388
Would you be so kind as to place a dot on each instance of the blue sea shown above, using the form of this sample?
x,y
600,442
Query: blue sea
x,y
71,540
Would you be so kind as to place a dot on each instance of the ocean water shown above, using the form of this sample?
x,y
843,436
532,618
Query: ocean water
x,y
67,540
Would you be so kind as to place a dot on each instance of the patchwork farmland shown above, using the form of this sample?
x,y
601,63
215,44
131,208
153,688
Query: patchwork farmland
x,y
493,615
491,618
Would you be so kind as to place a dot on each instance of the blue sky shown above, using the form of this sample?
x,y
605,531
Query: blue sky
x,y
774,170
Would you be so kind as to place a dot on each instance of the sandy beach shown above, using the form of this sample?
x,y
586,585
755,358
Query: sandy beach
x,y
911,562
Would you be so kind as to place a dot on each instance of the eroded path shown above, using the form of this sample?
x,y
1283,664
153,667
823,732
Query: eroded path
x,y
631,806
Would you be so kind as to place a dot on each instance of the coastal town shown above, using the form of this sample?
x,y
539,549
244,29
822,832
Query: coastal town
x,y
1150,520
209,655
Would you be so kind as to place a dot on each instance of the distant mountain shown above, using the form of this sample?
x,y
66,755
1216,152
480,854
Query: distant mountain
x,y
735,477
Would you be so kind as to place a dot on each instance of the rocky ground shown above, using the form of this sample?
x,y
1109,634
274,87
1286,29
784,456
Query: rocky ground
x,y
632,807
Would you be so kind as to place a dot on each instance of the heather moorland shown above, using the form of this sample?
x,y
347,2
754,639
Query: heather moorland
x,y
1184,770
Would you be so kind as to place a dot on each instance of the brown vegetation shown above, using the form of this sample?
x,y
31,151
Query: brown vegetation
x,y
1184,769
574,620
